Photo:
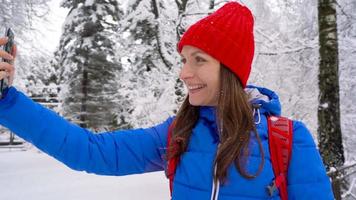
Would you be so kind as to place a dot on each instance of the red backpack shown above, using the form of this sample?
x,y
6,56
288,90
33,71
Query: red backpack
x,y
280,133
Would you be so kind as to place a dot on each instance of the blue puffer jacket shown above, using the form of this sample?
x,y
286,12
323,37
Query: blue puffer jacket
x,y
142,150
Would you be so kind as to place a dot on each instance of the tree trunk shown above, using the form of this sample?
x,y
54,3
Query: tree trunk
x,y
329,130
83,109
212,3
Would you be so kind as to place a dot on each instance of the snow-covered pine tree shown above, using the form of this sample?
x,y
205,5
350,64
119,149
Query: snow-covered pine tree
x,y
89,68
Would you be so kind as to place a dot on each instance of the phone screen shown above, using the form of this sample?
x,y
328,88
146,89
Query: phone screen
x,y
8,46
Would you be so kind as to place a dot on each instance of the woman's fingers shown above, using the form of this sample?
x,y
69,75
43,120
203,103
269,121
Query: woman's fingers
x,y
6,66
14,51
11,77
3,40
4,74
5,55
7,70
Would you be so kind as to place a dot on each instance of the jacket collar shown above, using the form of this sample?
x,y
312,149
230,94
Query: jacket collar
x,y
208,113
266,100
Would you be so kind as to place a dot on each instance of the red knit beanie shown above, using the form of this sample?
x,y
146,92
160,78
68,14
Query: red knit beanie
x,y
226,35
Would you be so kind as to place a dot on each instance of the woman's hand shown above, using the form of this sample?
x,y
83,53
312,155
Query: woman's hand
x,y
7,70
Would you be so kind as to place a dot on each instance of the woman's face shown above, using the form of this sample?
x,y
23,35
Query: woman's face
x,y
201,75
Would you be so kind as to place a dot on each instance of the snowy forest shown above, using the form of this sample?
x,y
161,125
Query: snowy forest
x,y
113,64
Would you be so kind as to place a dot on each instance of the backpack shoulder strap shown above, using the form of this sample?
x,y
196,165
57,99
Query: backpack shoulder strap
x,y
280,135
172,162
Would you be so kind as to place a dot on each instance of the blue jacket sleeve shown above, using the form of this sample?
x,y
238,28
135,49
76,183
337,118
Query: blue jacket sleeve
x,y
110,153
307,178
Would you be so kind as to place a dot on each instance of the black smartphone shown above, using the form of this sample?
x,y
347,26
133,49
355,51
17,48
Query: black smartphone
x,y
8,48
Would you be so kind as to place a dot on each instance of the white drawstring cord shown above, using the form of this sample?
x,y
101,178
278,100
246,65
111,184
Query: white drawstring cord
x,y
217,190
258,115
213,187
216,187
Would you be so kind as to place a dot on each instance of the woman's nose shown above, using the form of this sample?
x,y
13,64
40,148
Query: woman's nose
x,y
186,72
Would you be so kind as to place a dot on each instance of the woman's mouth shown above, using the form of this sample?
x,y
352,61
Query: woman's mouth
x,y
195,88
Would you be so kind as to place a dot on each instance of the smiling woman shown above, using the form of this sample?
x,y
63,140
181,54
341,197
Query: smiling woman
x,y
201,75
222,144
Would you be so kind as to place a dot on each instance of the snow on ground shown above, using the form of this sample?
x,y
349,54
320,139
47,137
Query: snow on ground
x,y
31,175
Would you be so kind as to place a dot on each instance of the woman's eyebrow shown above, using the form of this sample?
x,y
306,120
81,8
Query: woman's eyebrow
x,y
192,54
196,52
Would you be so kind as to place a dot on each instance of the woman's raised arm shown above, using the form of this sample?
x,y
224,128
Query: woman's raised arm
x,y
110,153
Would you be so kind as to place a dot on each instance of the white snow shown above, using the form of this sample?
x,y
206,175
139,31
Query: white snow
x,y
324,105
89,2
32,175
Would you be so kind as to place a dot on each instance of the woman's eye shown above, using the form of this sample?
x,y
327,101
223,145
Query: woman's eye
x,y
200,59
183,60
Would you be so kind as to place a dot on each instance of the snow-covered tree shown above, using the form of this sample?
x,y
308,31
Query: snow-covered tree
x,y
89,68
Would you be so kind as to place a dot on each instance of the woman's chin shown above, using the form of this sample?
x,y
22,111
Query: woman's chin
x,y
195,102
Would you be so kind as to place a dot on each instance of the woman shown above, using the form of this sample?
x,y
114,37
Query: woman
x,y
219,134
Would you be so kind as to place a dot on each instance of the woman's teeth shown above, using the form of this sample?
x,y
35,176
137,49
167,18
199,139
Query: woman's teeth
x,y
194,88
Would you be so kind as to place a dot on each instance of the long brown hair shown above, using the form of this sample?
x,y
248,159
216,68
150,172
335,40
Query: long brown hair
x,y
235,121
